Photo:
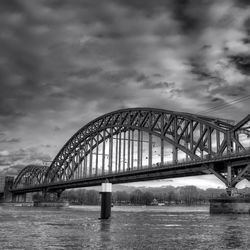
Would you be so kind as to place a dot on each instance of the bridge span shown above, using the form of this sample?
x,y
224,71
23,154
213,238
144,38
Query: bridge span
x,y
140,144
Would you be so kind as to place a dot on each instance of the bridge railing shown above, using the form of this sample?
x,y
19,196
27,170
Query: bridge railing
x,y
168,164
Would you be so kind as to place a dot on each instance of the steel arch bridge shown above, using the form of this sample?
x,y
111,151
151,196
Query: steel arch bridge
x,y
144,144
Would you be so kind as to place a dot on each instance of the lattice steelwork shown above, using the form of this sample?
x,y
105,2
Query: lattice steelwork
x,y
31,175
141,138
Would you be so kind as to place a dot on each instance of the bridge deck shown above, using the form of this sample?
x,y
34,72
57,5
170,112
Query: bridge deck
x,y
183,169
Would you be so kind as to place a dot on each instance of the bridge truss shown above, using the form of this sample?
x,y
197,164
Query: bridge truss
x,y
144,143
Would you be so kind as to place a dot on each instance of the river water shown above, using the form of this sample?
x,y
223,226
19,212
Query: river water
x,y
129,228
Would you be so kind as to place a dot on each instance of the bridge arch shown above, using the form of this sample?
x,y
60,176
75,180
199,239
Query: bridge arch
x,y
193,136
30,175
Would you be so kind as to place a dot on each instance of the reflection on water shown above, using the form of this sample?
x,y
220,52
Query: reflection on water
x,y
129,228
105,234
234,231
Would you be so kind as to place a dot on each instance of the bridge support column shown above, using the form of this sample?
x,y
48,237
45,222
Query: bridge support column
x,y
8,183
231,183
59,193
233,202
106,196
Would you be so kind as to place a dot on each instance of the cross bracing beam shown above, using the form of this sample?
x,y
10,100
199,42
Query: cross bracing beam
x,y
197,136
32,174
241,174
154,133
161,172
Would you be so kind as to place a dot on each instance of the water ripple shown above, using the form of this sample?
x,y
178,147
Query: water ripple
x,y
140,228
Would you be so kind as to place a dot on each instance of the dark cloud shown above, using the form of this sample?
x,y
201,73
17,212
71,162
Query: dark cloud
x,y
192,16
230,90
242,63
10,140
11,6
246,40
23,157
216,100
247,26
141,78
85,72
199,69
242,3
12,170
158,85
62,63
206,46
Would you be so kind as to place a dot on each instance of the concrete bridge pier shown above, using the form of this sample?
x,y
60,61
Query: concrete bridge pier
x,y
230,188
106,197
8,183
59,193
233,203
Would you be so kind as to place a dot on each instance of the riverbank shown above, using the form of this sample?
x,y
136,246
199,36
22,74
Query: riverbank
x,y
170,209
35,204
15,204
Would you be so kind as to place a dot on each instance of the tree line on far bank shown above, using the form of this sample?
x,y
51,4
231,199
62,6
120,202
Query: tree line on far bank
x,y
187,195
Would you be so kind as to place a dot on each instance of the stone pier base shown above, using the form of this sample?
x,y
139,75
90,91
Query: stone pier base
x,y
50,204
233,205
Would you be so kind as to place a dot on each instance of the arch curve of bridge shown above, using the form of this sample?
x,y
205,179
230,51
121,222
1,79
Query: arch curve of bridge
x,y
159,122
31,174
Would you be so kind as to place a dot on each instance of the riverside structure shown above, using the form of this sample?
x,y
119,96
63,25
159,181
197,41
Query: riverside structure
x,y
140,144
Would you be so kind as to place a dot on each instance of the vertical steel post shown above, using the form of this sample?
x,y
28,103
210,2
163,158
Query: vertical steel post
x,y
138,149
209,142
175,154
110,150
150,150
229,143
124,149
78,163
91,157
103,153
120,147
116,153
132,151
76,167
81,162
191,136
201,143
72,172
85,160
150,141
218,140
128,167
186,137
141,158
97,154
162,141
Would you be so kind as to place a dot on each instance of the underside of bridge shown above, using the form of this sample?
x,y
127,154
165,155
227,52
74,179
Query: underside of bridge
x,y
145,144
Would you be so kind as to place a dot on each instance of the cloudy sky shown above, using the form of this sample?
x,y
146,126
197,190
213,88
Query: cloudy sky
x,y
65,62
